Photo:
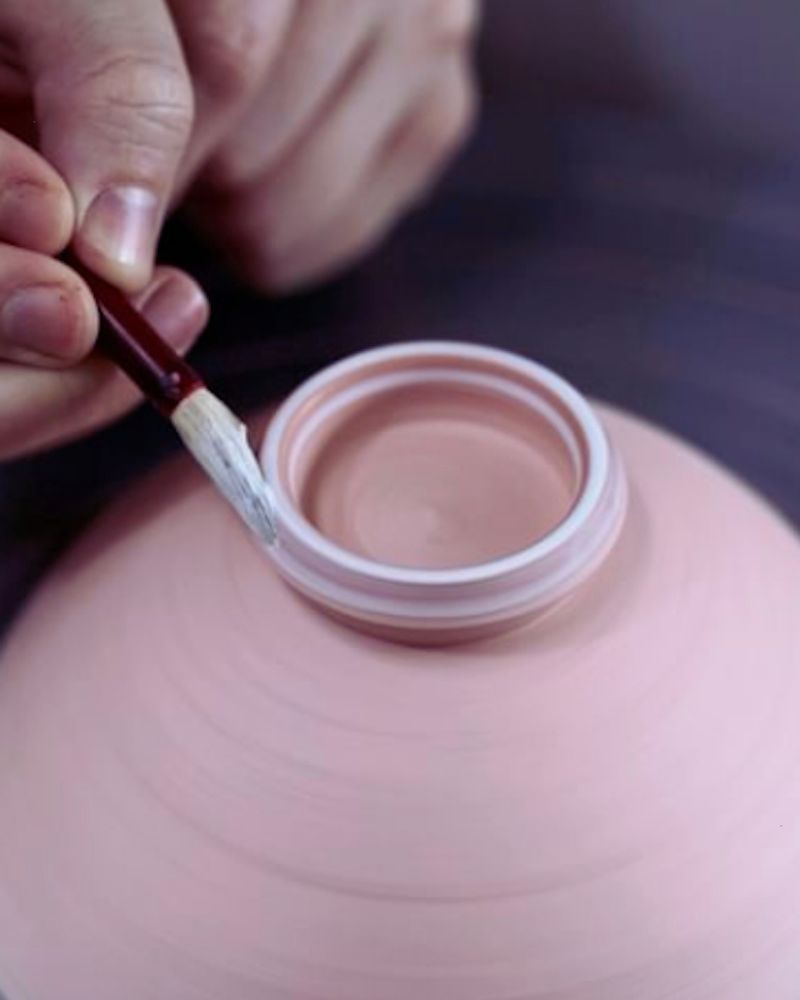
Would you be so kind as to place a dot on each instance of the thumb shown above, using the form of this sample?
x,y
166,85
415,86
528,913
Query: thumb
x,y
114,106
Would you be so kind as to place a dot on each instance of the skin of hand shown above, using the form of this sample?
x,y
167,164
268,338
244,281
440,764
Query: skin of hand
x,y
357,109
299,129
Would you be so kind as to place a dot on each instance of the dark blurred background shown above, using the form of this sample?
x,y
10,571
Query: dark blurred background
x,y
629,213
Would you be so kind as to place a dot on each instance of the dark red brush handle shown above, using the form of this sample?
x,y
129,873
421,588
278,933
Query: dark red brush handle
x,y
131,342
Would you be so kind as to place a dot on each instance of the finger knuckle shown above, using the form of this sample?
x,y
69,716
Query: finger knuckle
x,y
356,237
447,120
231,51
138,100
451,22
363,231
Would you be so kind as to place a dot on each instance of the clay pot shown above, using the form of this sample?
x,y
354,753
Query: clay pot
x,y
210,788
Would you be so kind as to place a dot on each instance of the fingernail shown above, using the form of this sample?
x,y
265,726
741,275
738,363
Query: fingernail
x,y
121,225
38,322
178,310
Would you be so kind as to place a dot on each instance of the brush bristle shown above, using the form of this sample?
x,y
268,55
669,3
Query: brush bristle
x,y
218,441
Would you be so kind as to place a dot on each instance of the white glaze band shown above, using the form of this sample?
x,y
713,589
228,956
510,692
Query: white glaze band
x,y
521,584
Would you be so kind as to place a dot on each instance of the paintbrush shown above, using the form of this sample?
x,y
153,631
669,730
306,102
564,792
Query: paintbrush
x,y
212,433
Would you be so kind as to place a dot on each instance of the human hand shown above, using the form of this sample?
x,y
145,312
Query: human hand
x,y
311,123
350,116
50,390
111,126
